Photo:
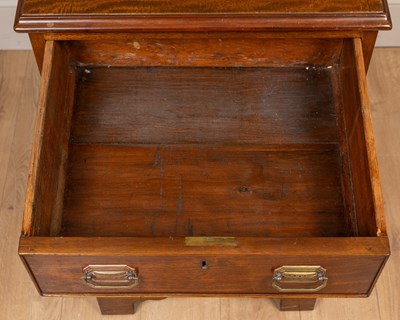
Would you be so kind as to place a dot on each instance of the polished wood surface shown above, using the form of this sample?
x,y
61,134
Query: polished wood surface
x,y
15,299
35,7
150,180
152,246
57,263
181,273
38,43
119,15
368,44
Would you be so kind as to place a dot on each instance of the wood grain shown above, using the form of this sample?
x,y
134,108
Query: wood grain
x,y
120,305
361,149
346,178
203,191
35,7
45,184
220,50
376,191
67,256
109,186
202,105
131,36
205,105
297,304
293,22
368,44
344,258
62,275
170,246
124,306
38,45
124,15
22,301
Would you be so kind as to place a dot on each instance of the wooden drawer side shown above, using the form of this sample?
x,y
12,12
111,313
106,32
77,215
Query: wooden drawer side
x,y
360,147
43,204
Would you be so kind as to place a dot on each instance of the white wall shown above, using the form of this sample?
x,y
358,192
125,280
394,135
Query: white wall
x,y
391,38
9,40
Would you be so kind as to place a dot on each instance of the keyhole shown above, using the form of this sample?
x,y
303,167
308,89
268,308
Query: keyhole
x,y
245,190
204,264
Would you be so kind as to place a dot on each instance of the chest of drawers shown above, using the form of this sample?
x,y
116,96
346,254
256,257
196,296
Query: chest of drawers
x,y
206,148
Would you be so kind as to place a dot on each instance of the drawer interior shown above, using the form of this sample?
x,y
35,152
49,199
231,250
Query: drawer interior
x,y
140,144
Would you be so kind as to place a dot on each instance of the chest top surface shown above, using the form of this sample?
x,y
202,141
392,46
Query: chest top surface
x,y
200,15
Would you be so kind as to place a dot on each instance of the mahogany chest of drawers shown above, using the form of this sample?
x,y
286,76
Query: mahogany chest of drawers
x,y
203,148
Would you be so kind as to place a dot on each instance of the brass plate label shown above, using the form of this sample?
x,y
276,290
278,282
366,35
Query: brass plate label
x,y
211,241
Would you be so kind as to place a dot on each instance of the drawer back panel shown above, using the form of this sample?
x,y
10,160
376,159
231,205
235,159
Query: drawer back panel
x,y
213,51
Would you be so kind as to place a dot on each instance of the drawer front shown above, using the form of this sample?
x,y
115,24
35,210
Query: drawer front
x,y
171,267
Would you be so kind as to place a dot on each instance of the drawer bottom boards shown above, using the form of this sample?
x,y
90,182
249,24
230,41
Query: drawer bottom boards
x,y
203,191
151,180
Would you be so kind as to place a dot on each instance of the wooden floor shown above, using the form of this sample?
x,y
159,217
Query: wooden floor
x,y
18,297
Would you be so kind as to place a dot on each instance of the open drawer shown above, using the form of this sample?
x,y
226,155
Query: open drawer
x,y
243,167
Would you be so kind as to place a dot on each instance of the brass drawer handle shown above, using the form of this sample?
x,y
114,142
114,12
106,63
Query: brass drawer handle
x,y
299,279
110,276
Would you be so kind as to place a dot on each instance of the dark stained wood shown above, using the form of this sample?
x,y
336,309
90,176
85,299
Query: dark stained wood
x,y
114,306
30,219
167,266
65,129
366,116
49,151
120,15
111,306
38,45
368,44
166,275
205,105
203,191
311,47
190,184
346,181
153,246
221,51
223,22
273,34
258,47
297,304
35,7
203,130
367,194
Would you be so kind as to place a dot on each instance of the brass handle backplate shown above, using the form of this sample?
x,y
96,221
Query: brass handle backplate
x,y
299,279
110,276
